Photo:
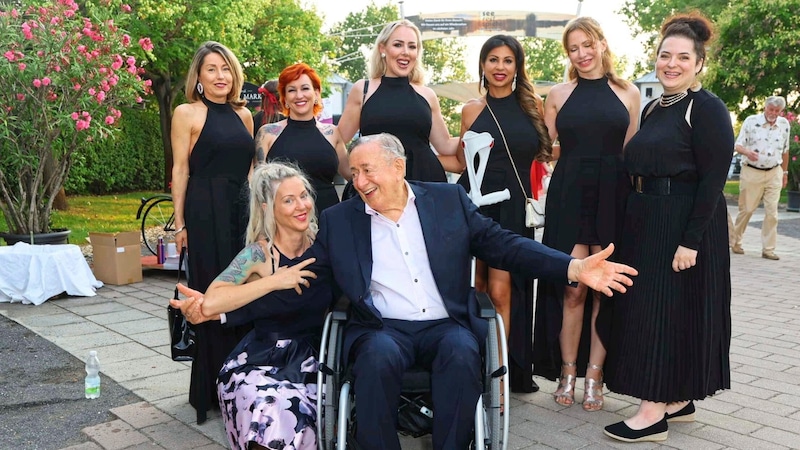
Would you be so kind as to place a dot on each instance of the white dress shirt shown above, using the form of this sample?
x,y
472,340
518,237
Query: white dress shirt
x,y
402,284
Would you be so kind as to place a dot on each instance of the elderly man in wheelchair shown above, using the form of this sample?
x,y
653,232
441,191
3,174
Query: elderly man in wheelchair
x,y
401,253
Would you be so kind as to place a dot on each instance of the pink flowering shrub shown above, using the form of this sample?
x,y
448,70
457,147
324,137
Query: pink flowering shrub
x,y
65,72
793,184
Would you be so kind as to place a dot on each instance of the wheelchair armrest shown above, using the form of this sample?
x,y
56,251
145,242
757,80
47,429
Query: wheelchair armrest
x,y
485,305
341,307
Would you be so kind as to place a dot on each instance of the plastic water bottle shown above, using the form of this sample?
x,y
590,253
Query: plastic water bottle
x,y
92,384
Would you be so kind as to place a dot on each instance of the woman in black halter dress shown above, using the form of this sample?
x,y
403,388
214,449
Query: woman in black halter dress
x,y
213,152
510,99
316,148
592,115
395,100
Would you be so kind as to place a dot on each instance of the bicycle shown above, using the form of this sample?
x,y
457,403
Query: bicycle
x,y
158,220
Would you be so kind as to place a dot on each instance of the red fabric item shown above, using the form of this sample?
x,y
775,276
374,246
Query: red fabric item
x,y
538,171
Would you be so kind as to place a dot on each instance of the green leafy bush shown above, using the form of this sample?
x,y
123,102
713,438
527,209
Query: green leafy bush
x,y
132,160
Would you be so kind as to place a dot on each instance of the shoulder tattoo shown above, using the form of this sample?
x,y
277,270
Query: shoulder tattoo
x,y
237,270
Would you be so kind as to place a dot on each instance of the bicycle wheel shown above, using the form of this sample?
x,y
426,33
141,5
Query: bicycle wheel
x,y
158,221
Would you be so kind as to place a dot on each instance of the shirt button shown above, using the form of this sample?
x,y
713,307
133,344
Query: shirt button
x,y
416,281
398,225
406,253
423,310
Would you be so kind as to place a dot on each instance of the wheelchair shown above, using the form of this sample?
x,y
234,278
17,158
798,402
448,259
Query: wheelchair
x,y
336,400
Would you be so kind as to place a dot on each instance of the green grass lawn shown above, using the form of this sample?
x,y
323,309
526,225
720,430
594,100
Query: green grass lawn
x,y
91,213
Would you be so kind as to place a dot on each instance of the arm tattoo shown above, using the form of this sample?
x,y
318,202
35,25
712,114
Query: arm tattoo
x,y
327,130
238,270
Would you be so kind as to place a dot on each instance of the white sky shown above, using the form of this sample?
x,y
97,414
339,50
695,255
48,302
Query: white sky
x,y
604,11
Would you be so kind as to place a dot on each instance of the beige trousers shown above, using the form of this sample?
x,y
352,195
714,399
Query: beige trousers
x,y
755,185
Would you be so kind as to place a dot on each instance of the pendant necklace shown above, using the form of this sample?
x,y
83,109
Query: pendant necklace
x,y
669,100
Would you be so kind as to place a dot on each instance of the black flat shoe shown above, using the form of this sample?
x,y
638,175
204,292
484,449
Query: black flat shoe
x,y
654,433
686,414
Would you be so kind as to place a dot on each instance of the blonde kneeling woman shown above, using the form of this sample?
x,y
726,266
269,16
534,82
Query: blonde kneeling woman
x,y
267,385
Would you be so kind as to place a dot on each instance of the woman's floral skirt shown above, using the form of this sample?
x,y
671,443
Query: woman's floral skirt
x,y
268,392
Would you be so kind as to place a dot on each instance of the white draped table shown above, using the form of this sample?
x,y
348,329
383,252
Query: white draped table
x,y
35,273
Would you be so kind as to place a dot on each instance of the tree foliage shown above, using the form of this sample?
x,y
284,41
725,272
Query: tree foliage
x,y
356,34
545,59
757,54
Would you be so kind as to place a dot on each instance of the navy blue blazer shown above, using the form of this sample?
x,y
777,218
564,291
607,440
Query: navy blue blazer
x,y
454,231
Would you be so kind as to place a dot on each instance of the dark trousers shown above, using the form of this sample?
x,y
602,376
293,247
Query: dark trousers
x,y
381,356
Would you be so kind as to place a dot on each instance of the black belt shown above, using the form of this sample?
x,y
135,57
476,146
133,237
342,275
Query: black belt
x,y
663,186
761,168
282,335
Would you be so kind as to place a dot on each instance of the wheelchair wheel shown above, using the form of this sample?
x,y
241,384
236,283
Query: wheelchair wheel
x,y
158,222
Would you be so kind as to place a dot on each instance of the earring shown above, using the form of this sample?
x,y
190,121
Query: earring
x,y
383,55
483,79
316,101
287,105
199,88
514,83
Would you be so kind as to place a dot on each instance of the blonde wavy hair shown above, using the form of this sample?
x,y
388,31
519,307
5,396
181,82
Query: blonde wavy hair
x,y
377,65
264,183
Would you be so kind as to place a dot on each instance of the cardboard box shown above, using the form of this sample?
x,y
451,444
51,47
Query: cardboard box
x,y
117,257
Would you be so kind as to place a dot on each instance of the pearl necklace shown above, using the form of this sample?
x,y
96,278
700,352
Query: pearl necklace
x,y
669,100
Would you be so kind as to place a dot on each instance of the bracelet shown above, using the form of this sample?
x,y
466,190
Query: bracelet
x,y
786,172
183,228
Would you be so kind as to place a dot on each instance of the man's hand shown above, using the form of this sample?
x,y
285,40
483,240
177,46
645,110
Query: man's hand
x,y
601,275
191,307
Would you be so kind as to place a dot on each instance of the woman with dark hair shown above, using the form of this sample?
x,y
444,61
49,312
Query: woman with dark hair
x,y
270,105
395,100
593,115
317,148
669,336
512,113
212,144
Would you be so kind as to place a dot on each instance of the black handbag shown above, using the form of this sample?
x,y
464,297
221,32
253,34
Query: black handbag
x,y
181,333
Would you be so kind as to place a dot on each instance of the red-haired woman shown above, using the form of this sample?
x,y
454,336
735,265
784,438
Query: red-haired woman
x,y
270,105
317,148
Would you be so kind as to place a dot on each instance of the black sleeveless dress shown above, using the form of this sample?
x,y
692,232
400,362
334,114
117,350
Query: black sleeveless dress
x,y
668,337
216,218
302,143
585,203
396,108
510,214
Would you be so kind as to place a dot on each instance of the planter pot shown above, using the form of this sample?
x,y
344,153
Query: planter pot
x,y
55,237
793,201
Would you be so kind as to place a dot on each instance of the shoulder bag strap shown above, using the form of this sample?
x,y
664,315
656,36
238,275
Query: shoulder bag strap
x,y
180,269
516,173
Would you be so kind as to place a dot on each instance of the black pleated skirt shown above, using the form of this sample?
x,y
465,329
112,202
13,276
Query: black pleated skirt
x,y
668,337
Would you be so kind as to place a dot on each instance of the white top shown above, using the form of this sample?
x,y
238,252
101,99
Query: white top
x,y
402,284
770,141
